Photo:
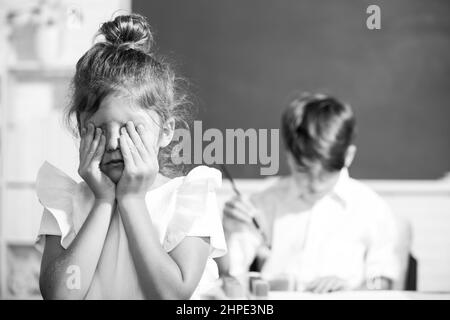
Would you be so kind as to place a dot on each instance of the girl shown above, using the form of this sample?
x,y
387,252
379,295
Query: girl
x,y
127,231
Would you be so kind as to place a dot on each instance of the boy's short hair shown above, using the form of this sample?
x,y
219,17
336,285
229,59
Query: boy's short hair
x,y
318,129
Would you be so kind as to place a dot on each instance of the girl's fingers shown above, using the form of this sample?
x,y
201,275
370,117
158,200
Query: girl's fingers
x,y
97,158
88,138
126,153
94,145
137,141
147,140
90,133
133,150
82,143
82,135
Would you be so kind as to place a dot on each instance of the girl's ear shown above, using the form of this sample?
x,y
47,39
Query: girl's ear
x,y
168,130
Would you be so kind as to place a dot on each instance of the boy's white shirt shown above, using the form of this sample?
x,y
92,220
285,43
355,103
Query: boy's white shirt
x,y
350,233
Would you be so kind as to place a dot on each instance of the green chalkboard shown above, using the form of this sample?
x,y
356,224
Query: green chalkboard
x,y
244,58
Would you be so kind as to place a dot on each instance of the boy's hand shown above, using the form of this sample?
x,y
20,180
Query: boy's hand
x,y
140,157
326,285
238,214
92,147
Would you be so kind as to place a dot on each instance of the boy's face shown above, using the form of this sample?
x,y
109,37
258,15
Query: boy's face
x,y
313,181
113,114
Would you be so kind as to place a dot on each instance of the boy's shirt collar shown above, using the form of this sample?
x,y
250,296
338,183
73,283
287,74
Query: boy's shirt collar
x,y
340,191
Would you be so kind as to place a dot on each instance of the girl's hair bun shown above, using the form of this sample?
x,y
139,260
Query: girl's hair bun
x,y
129,32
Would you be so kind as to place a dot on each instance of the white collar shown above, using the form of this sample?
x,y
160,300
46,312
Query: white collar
x,y
340,190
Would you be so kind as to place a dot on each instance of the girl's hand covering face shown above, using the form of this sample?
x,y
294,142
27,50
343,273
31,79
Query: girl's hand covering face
x,y
92,148
140,156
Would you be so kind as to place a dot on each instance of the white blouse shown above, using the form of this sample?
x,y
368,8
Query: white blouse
x,y
350,233
184,206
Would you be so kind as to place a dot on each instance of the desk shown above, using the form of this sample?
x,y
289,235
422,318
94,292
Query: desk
x,y
240,291
360,295
217,292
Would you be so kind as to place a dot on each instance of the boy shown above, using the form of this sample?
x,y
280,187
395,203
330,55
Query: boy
x,y
327,231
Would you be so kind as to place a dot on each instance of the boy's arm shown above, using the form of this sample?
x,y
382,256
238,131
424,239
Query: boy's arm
x,y
59,266
243,238
384,259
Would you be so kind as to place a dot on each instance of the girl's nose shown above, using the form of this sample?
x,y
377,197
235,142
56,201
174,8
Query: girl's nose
x,y
112,138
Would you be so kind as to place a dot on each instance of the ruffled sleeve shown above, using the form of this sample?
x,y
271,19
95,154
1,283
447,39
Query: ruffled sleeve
x,y
196,211
55,191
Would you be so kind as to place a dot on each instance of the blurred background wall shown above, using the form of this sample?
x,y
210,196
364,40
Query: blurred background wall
x,y
246,57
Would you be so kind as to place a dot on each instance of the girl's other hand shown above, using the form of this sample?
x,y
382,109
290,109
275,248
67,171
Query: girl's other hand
x,y
92,148
140,157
